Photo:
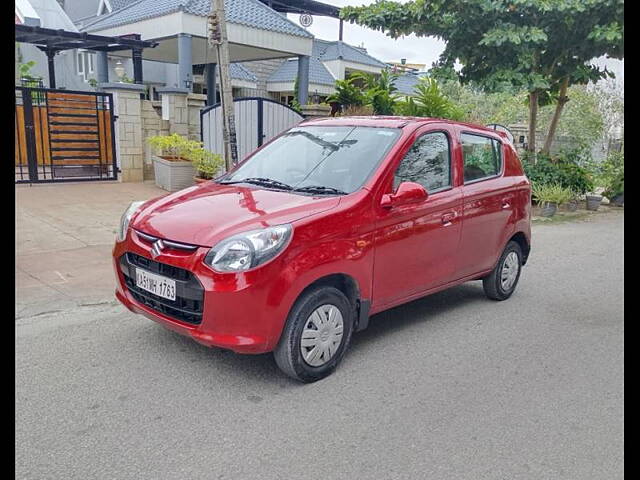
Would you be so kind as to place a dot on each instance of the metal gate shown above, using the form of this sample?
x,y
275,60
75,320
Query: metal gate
x,y
258,120
63,135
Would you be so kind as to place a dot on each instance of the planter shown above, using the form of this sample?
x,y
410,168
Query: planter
x,y
571,206
199,180
548,209
172,175
617,200
593,202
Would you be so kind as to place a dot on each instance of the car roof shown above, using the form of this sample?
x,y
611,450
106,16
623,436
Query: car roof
x,y
392,122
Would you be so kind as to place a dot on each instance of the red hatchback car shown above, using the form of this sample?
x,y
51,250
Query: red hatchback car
x,y
331,222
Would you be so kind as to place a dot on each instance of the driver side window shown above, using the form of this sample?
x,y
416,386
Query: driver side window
x,y
428,162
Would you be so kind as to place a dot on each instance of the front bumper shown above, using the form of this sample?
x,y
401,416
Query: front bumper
x,y
244,312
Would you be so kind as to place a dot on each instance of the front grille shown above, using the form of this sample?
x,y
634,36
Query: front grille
x,y
189,301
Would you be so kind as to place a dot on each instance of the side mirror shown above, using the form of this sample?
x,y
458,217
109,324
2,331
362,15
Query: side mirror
x,y
407,192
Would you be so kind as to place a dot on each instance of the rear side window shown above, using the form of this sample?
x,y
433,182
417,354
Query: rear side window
x,y
427,162
482,157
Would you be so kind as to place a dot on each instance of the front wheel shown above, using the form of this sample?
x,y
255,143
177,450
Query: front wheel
x,y
503,279
316,335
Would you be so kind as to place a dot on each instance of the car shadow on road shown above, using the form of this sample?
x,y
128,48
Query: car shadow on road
x,y
227,366
422,311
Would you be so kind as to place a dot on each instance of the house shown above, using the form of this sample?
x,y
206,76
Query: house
x,y
266,49
330,61
255,31
156,74
406,83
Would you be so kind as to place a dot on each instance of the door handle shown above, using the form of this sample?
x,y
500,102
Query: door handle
x,y
447,218
505,204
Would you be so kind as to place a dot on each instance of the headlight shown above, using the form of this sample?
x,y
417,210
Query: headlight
x,y
248,250
126,218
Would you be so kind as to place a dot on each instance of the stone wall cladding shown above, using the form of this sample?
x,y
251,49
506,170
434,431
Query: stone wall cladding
x,y
152,124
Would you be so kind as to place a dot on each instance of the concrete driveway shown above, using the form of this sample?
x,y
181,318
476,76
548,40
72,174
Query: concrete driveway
x,y
64,237
453,386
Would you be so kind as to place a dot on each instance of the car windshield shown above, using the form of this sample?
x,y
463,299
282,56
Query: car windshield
x,y
319,160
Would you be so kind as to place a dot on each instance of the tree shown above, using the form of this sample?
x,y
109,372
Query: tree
x,y
542,46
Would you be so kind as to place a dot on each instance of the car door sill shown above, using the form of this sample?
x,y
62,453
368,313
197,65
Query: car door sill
x,y
424,293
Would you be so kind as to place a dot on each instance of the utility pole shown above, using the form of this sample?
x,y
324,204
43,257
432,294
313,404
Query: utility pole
x,y
218,39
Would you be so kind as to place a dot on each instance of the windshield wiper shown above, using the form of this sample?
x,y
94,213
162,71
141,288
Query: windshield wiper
x,y
265,182
319,189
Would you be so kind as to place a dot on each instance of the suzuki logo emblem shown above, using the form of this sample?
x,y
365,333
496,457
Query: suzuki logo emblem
x,y
157,248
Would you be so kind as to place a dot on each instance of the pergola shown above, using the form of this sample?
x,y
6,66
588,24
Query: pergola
x,y
52,41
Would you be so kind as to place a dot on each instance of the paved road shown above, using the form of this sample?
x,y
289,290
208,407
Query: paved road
x,y
453,386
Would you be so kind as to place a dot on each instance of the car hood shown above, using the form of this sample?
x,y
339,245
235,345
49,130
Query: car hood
x,y
205,214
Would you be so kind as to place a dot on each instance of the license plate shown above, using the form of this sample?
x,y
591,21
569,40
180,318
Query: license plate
x,y
157,284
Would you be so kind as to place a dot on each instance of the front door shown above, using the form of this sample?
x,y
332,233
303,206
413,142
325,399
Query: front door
x,y
416,243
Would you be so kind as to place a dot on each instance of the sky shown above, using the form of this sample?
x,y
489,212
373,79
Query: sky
x,y
415,49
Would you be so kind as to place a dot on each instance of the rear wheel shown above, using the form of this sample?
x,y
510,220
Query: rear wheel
x,y
503,279
316,335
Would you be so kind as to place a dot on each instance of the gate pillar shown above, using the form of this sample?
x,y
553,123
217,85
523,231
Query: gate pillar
x,y
128,128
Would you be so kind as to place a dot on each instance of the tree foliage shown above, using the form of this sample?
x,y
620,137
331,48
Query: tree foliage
x,y
541,46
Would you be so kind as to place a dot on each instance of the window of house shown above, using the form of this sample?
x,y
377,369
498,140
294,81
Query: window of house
x,y
482,157
80,62
427,162
85,62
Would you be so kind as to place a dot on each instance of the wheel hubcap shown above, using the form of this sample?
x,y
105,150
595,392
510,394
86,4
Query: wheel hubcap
x,y
322,335
510,269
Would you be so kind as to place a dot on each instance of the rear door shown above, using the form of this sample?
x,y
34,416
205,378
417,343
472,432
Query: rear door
x,y
487,202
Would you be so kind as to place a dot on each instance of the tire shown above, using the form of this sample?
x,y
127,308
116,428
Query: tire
x,y
289,352
493,285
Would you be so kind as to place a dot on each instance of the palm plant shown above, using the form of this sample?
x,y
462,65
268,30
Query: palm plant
x,y
429,101
378,91
346,94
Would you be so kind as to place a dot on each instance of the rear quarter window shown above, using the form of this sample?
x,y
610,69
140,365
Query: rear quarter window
x,y
482,157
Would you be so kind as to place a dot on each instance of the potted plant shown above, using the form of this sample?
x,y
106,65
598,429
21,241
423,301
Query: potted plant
x,y
547,196
172,166
571,203
206,164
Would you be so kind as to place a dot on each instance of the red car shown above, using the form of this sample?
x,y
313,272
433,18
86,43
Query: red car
x,y
333,221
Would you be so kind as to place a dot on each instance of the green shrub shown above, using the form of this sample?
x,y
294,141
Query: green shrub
x,y
567,169
174,145
611,175
550,193
346,94
206,164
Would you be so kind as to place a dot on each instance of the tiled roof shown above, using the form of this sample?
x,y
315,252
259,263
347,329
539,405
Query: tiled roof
x,y
118,4
251,13
240,72
326,51
405,83
288,71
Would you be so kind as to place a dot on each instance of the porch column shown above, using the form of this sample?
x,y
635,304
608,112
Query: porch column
x,y
185,64
303,79
52,68
211,83
136,55
102,67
